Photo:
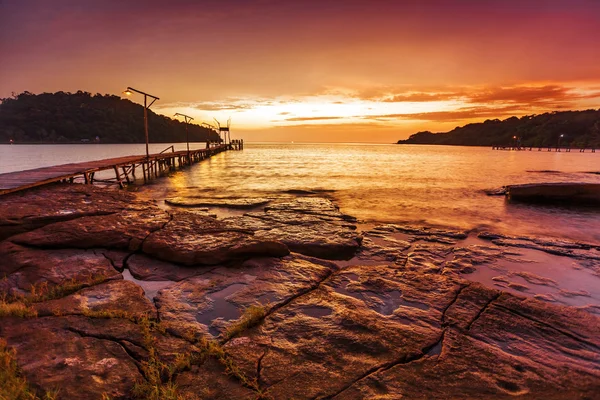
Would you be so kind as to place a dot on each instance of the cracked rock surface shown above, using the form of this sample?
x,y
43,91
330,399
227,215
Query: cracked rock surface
x,y
103,294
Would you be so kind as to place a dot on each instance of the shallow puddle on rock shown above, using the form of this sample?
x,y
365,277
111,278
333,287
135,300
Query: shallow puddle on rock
x,y
151,288
220,308
533,273
391,300
384,303
343,286
316,311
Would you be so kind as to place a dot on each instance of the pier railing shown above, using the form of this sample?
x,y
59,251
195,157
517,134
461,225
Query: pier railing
x,y
124,168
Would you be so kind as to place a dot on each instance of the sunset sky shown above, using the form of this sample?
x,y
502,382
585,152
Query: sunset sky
x,y
331,71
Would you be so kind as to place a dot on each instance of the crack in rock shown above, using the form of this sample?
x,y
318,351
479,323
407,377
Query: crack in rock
x,y
483,309
132,355
259,368
405,359
301,293
563,332
458,292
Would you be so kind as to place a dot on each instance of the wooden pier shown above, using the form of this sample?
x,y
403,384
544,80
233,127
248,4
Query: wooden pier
x,y
557,149
123,168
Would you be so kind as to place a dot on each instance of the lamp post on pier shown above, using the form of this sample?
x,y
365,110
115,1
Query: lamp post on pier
x,y
128,92
187,135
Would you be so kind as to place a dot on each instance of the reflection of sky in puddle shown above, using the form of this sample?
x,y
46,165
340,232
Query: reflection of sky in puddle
x,y
315,311
382,302
151,288
220,307
567,272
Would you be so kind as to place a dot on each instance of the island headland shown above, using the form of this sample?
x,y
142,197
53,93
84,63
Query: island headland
x,y
579,129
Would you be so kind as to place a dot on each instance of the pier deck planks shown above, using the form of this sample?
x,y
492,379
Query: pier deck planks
x,y
20,180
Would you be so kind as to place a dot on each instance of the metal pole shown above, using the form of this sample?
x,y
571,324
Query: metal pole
x,y
146,124
187,139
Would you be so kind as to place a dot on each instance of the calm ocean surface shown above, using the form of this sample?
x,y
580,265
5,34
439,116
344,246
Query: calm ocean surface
x,y
421,185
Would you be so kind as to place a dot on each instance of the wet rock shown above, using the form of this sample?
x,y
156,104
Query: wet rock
x,y
320,240
34,208
501,191
569,193
197,240
111,296
241,203
423,232
23,269
212,301
428,258
378,250
518,286
571,293
535,279
126,230
311,206
310,226
52,354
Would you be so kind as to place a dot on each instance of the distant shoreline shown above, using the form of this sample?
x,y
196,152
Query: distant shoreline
x,y
87,143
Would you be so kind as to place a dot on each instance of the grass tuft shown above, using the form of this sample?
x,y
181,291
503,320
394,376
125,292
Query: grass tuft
x,y
13,386
44,292
16,309
252,316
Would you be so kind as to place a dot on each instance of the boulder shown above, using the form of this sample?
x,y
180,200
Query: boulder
x,y
564,193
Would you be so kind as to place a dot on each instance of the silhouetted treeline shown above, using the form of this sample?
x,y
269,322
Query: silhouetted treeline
x,y
74,117
579,129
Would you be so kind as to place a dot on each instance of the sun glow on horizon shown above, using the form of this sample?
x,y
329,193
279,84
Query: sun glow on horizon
x,y
407,110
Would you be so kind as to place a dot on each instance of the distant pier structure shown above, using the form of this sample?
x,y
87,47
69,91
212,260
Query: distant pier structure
x,y
517,146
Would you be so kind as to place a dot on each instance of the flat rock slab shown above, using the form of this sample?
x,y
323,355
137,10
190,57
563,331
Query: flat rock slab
x,y
358,319
34,208
375,332
557,271
240,203
22,268
209,303
508,349
116,295
310,226
124,231
562,192
53,353
191,239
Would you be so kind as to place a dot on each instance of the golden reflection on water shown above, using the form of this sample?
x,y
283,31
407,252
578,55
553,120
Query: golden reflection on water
x,y
439,185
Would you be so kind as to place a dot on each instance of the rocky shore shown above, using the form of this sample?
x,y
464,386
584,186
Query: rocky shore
x,y
106,295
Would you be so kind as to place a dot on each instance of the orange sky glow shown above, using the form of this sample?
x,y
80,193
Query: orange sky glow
x,y
331,71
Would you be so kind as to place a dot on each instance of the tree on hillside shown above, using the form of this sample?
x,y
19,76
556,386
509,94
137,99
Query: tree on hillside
x,y
72,117
578,129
